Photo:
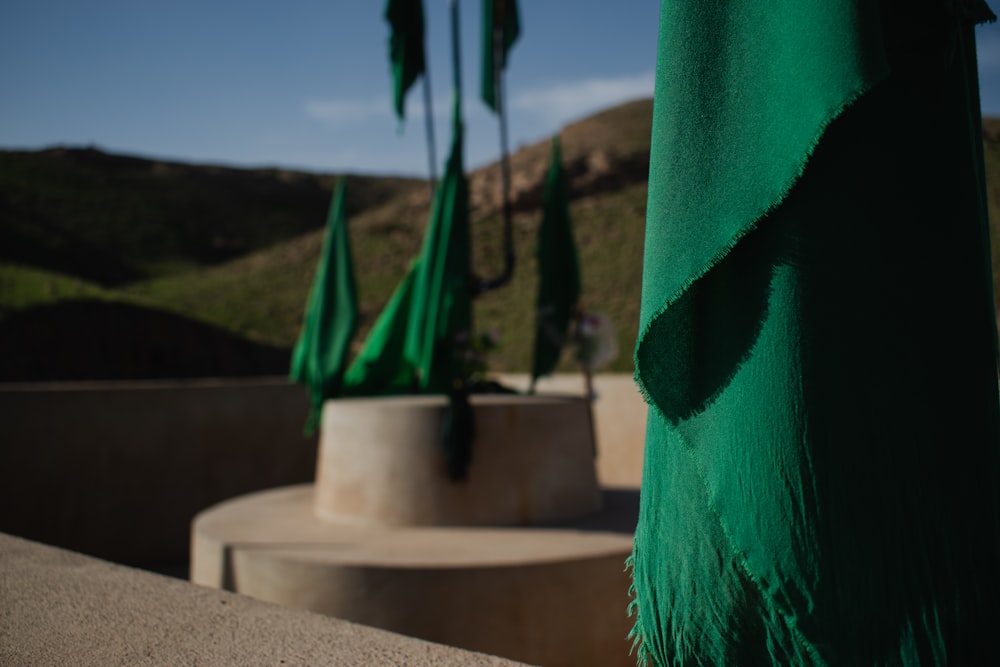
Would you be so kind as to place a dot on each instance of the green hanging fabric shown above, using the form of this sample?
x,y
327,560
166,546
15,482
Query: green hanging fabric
x,y
320,354
499,17
817,342
558,271
442,291
442,288
406,47
380,369
412,347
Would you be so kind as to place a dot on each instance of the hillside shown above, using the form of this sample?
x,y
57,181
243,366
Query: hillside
x,y
81,224
114,219
235,250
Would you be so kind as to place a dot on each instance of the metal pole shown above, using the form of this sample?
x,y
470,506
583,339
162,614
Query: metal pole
x,y
499,66
456,56
429,113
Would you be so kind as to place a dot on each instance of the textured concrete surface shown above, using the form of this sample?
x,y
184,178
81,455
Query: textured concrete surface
x,y
119,469
619,421
61,608
381,461
555,596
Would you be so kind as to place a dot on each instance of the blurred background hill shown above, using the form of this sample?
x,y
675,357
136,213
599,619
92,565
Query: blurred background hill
x,y
115,267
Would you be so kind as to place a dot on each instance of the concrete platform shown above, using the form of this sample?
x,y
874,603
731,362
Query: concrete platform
x,y
554,595
62,608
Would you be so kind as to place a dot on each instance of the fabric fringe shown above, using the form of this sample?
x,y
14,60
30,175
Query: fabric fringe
x,y
637,646
752,224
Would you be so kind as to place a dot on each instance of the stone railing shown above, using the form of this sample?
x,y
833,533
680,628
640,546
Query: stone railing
x,y
61,608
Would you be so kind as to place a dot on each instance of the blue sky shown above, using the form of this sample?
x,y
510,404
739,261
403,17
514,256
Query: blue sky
x,y
305,83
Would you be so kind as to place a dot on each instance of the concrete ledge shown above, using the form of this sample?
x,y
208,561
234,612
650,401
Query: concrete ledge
x,y
61,608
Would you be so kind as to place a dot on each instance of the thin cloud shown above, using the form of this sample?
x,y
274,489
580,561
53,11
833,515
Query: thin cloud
x,y
572,100
346,112
353,111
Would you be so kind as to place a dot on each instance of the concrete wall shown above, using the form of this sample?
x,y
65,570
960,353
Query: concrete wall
x,y
118,470
619,421
60,608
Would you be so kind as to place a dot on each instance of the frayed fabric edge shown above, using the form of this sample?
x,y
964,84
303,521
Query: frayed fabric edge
x,y
636,636
750,226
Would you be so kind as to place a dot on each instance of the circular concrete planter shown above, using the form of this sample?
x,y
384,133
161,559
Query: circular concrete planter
x,y
553,596
385,538
381,461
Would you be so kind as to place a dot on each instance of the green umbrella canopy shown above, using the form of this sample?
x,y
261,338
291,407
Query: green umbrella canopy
x,y
816,321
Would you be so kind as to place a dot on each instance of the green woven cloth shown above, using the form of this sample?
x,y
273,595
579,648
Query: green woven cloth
x,y
817,341
501,22
415,345
558,271
411,348
442,288
379,369
320,354
406,48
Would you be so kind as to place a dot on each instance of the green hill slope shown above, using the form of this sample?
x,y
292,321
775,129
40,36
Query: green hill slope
x,y
113,219
242,245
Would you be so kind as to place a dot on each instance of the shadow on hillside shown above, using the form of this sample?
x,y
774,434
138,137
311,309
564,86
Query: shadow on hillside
x,y
96,340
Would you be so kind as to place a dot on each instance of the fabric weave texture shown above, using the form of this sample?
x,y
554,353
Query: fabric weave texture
x,y
817,342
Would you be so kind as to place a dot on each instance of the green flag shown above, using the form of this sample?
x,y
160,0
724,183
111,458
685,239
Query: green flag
x,y
442,291
413,346
379,369
320,354
406,47
501,27
558,271
817,341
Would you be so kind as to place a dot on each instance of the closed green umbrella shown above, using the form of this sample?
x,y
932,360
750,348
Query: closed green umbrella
x,y
817,344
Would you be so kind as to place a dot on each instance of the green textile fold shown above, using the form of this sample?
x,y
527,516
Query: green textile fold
x,y
558,271
442,290
500,21
406,47
415,345
380,368
320,354
817,342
